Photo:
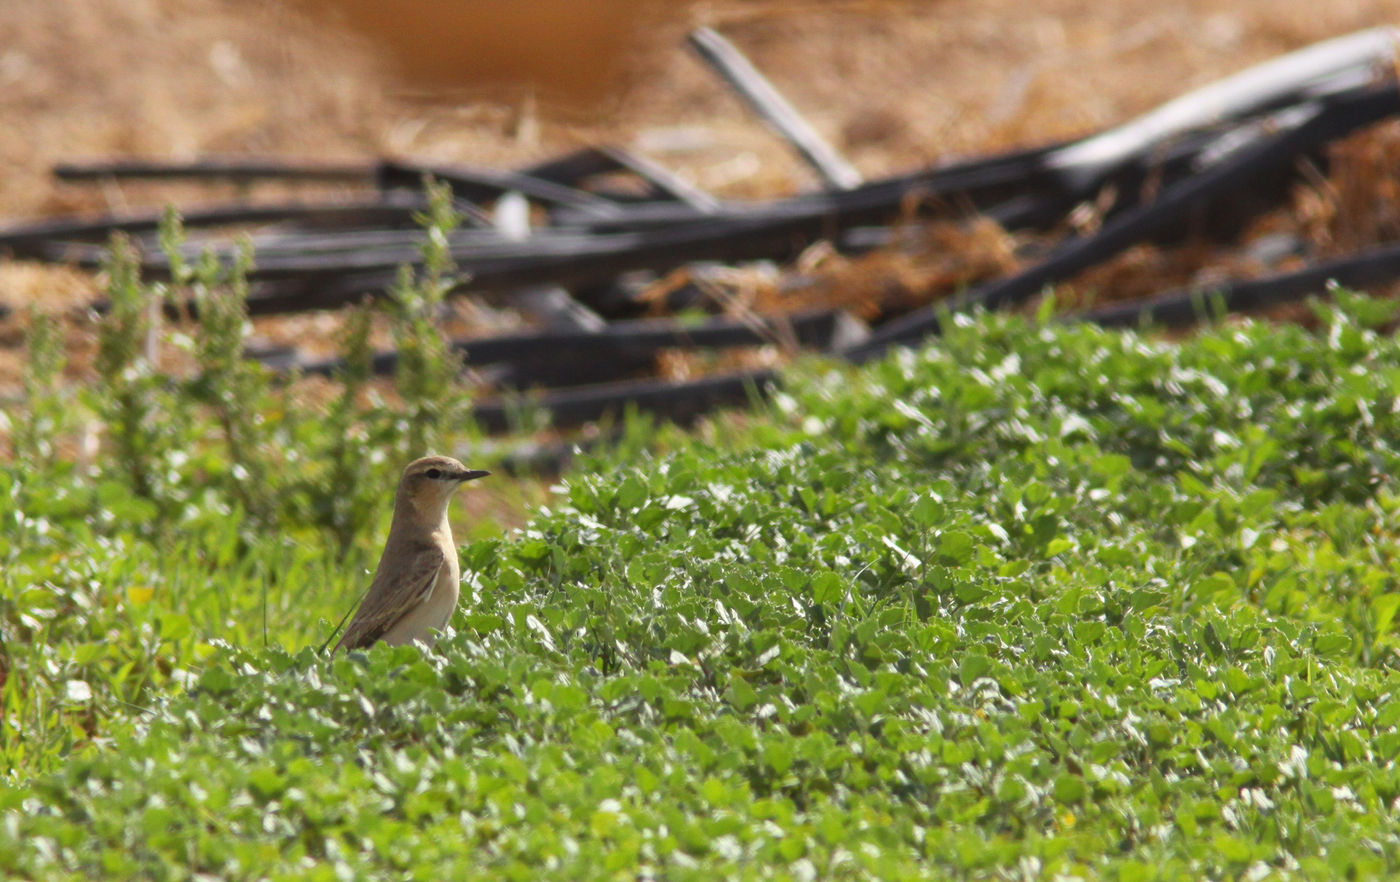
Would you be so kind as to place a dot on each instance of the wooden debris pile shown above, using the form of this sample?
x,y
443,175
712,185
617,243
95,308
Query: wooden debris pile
x,y
603,247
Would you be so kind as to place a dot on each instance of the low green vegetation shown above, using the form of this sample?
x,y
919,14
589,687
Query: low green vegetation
x,y
156,511
1035,601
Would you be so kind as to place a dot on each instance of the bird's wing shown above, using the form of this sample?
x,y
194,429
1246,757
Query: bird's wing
x,y
392,595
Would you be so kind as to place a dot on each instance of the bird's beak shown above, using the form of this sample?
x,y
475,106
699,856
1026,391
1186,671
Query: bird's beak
x,y
470,475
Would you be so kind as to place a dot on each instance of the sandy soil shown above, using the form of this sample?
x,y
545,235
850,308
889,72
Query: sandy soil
x,y
892,84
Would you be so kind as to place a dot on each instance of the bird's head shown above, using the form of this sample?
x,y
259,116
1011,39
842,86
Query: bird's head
x,y
427,486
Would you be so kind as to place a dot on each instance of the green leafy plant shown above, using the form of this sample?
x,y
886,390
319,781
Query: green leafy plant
x,y
1033,601
357,434
144,421
44,418
235,390
428,375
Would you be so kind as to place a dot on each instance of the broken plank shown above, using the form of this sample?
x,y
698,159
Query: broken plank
x,y
768,103
225,168
680,402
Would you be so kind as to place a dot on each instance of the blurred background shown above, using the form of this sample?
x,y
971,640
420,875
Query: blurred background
x,y
892,84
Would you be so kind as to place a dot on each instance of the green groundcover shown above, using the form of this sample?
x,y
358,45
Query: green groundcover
x,y
1037,600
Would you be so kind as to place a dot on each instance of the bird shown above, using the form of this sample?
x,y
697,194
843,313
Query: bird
x,y
415,586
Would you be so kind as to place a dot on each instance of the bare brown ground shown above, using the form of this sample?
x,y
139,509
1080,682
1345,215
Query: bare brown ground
x,y
894,85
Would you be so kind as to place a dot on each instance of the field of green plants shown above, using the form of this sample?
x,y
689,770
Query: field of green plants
x,y
1037,600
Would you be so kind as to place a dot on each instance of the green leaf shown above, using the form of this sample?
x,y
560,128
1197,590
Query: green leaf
x,y
1384,607
828,587
1069,789
1332,644
955,547
973,667
631,493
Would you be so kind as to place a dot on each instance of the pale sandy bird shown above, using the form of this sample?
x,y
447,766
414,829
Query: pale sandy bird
x,y
416,583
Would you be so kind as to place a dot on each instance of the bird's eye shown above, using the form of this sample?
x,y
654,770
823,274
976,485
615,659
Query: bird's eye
x,y
434,473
